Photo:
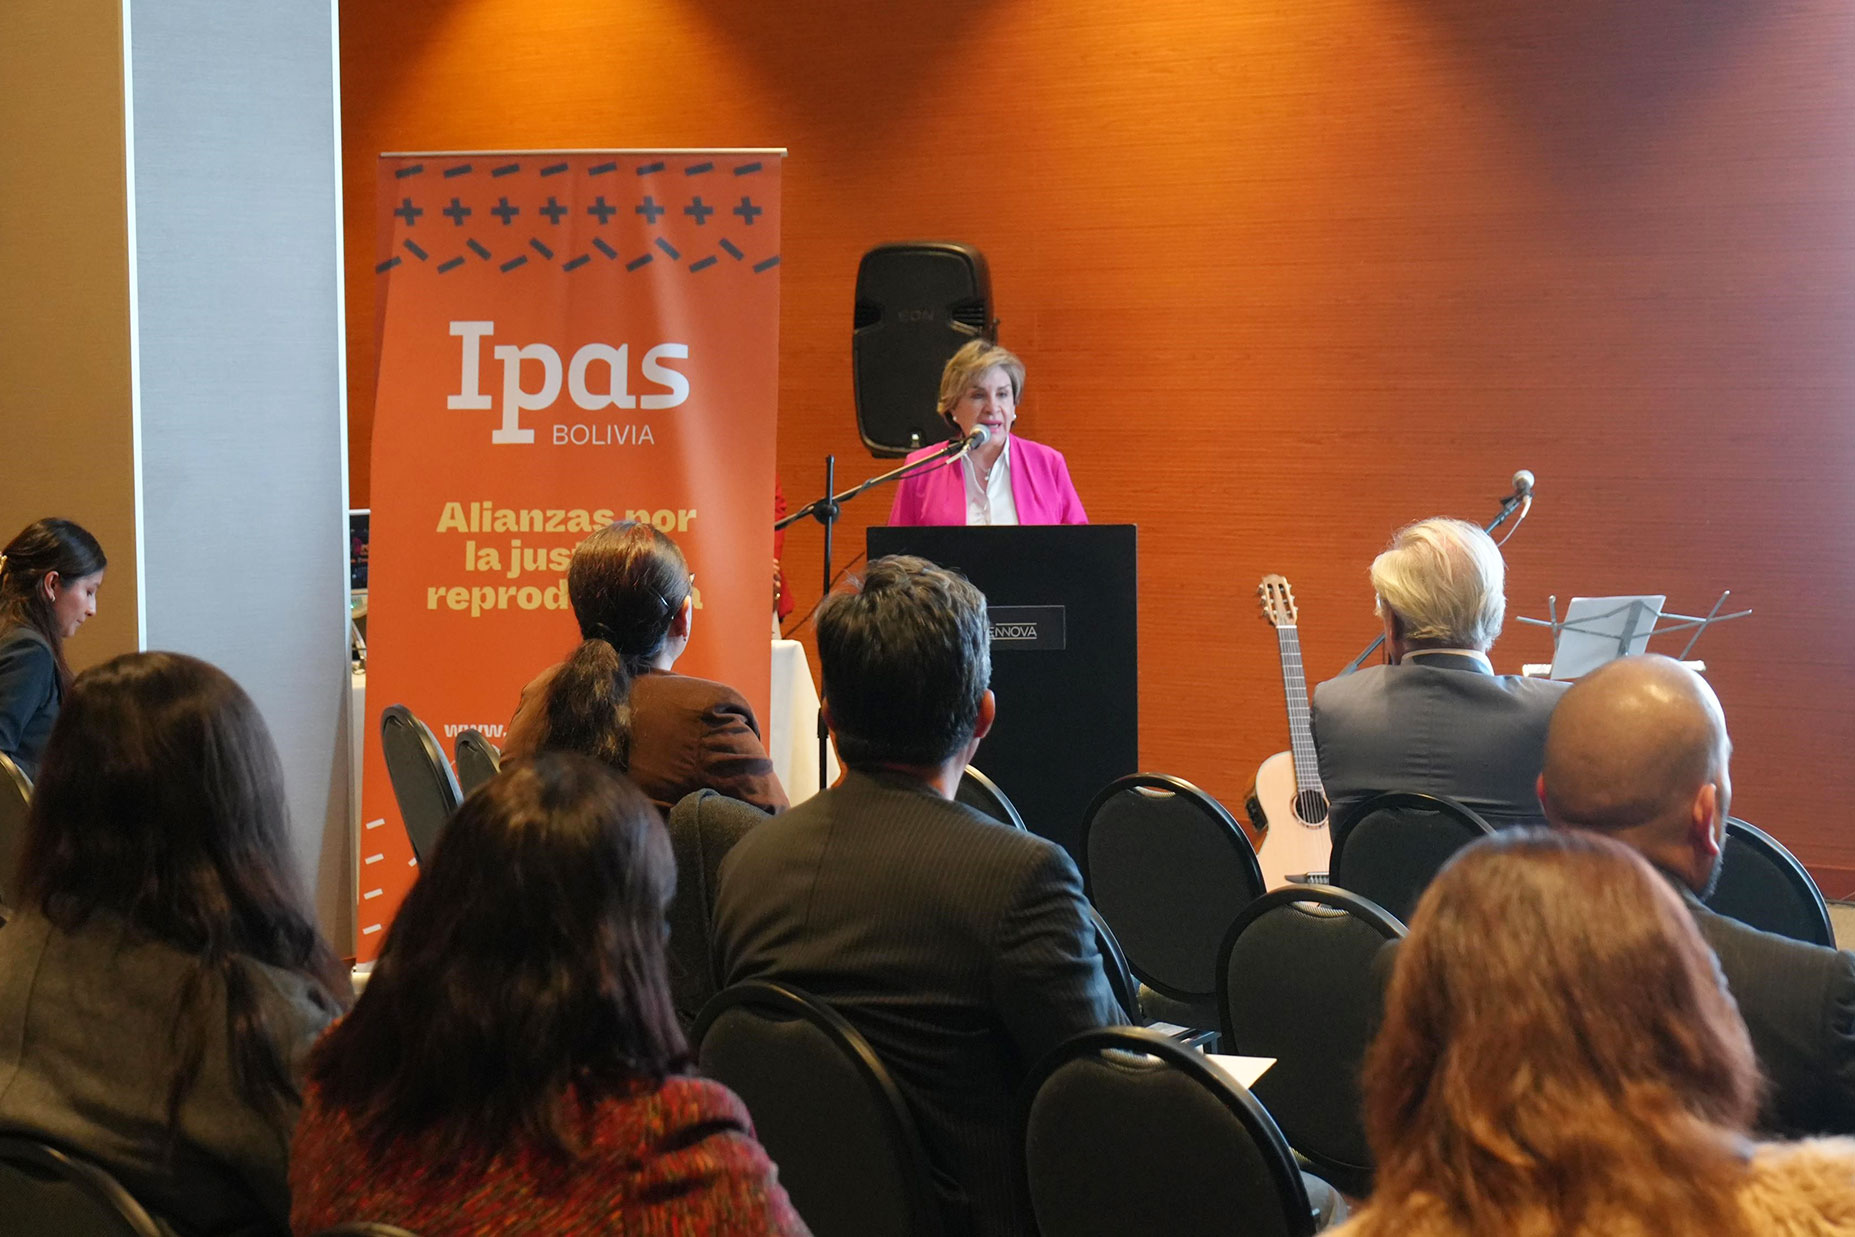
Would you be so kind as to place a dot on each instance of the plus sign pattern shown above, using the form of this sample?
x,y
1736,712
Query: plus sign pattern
x,y
692,213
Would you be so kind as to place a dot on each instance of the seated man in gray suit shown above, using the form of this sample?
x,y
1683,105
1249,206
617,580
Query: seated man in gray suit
x,y
1437,719
958,946
1638,751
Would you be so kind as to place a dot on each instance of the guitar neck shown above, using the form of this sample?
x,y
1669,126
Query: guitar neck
x,y
1300,717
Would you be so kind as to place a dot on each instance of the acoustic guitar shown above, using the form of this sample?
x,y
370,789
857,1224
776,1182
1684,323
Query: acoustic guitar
x,y
1288,805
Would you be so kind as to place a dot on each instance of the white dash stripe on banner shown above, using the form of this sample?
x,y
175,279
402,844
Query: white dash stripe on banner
x,y
373,859
371,894
370,929
374,824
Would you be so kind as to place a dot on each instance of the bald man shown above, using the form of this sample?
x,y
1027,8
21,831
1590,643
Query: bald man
x,y
1638,750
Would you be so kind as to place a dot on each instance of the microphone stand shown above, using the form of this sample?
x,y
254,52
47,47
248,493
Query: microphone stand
x,y
829,509
1509,505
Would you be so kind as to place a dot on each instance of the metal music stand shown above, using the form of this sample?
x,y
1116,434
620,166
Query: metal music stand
x,y
1622,623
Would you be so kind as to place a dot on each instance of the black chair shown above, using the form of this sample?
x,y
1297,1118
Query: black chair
x,y
15,802
704,826
1123,1127
1296,981
1390,846
48,1192
1762,884
1114,964
981,793
478,760
1168,868
365,1228
423,784
825,1109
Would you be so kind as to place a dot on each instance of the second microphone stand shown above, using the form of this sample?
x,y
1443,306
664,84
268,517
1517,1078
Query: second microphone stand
x,y
1513,502
829,509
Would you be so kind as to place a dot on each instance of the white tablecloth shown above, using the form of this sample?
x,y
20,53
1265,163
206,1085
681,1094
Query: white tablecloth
x,y
792,723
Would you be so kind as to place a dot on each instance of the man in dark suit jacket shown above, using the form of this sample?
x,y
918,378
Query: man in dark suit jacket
x,y
1638,750
1437,719
958,946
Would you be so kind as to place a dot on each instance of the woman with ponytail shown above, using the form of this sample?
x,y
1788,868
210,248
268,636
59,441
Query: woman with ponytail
x,y
162,980
49,576
617,698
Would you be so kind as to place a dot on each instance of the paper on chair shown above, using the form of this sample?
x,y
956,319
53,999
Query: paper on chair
x,y
1245,1070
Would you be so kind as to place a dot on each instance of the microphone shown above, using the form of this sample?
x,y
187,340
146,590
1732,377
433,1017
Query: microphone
x,y
960,446
1520,500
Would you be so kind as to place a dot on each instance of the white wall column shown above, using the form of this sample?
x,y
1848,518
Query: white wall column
x,y
235,273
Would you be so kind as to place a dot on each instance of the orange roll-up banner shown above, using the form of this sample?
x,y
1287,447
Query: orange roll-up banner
x,y
566,339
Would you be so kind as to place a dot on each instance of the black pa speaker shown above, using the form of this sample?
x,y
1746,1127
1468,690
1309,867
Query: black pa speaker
x,y
917,302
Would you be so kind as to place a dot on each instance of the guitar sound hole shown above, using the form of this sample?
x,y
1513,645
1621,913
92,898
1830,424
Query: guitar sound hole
x,y
1310,807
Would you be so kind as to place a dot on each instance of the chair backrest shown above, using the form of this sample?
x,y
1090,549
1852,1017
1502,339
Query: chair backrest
x,y
825,1109
1124,1127
1168,868
423,784
478,760
704,826
49,1192
1390,846
1762,884
1114,964
980,792
15,802
1297,982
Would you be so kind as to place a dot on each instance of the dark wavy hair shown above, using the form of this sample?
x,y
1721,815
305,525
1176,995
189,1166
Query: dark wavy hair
x,y
40,549
1559,1053
906,660
161,800
627,583
525,972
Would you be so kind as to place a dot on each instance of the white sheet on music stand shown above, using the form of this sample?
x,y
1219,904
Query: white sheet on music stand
x,y
1593,628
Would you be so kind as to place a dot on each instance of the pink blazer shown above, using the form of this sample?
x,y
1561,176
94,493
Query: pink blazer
x,y
1040,487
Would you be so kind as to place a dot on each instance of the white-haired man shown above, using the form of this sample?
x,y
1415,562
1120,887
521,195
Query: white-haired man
x,y
1436,718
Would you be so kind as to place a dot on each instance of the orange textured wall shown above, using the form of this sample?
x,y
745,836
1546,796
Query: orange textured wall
x,y
1288,273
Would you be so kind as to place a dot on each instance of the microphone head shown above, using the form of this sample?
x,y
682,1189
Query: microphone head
x,y
1523,481
981,435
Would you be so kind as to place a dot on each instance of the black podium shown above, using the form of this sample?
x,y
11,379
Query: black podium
x,y
1065,658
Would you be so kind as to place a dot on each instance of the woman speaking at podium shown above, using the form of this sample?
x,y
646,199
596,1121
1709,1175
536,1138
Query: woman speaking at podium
x,y
1005,479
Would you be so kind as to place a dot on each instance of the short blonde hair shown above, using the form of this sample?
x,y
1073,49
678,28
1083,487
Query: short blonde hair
x,y
1445,582
964,367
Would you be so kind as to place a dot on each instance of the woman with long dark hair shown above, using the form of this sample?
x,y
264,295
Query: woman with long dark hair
x,y
1559,1058
162,978
514,1063
616,697
49,576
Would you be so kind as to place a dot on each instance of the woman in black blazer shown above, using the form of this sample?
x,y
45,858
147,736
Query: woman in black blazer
x,y
49,576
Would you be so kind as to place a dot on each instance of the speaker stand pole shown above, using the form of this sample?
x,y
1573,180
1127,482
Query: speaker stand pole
x,y
826,512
